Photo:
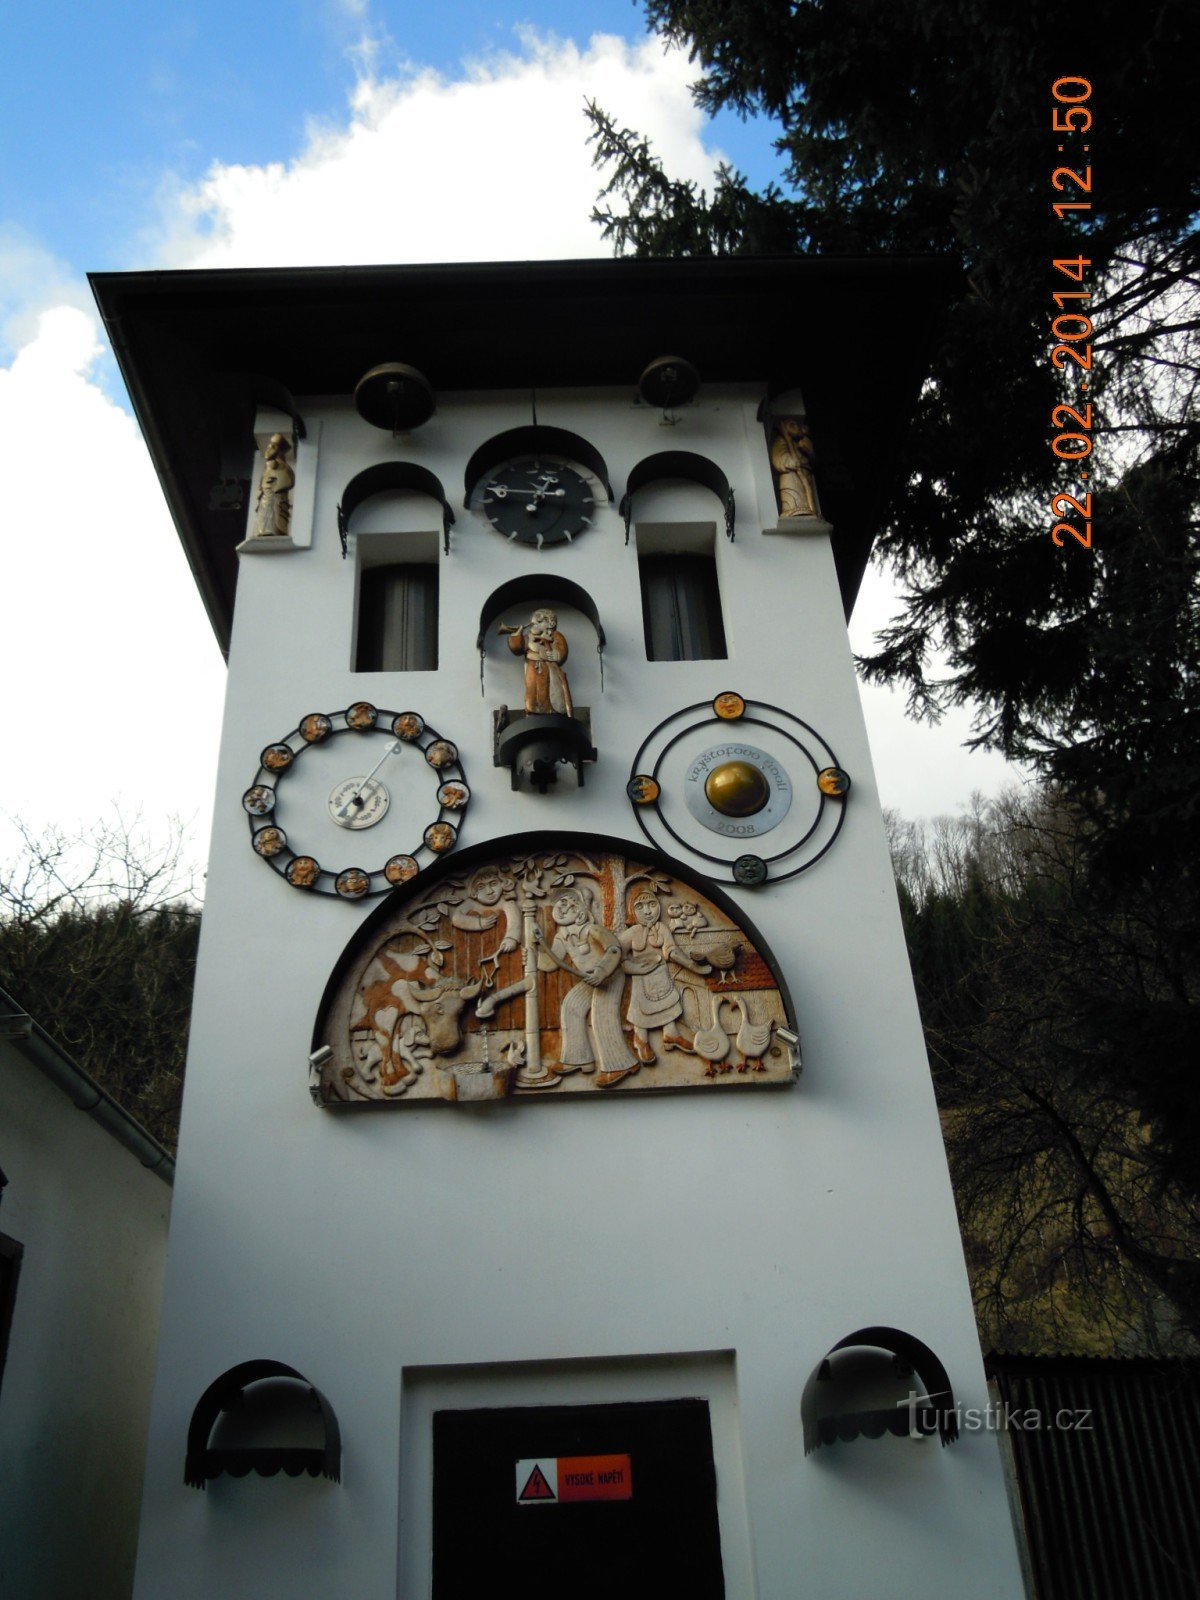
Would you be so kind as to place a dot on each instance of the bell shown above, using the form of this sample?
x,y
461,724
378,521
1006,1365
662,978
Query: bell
x,y
395,397
669,381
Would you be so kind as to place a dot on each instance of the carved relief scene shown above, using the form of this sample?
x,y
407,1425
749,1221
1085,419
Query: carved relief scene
x,y
549,973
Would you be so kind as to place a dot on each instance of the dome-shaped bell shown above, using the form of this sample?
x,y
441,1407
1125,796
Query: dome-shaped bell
x,y
395,397
669,381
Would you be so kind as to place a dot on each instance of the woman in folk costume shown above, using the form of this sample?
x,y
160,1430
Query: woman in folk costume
x,y
649,948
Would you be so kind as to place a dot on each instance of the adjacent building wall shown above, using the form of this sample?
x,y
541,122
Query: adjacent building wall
x,y
75,1397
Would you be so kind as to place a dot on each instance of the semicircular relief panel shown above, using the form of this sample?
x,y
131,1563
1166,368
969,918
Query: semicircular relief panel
x,y
571,968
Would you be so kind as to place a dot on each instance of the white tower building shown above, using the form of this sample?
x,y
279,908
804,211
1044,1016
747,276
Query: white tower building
x,y
510,1244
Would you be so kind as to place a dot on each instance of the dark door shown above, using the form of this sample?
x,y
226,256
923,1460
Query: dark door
x,y
661,1540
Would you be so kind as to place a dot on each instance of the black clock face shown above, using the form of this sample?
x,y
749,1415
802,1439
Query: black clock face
x,y
537,499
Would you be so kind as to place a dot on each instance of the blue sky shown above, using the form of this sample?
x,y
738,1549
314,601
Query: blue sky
x,y
336,132
106,104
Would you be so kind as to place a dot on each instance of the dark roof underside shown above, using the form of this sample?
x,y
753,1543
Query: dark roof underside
x,y
854,334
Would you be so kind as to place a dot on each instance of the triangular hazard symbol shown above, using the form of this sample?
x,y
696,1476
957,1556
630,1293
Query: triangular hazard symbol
x,y
536,1487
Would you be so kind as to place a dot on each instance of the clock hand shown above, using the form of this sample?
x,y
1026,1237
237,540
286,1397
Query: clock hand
x,y
501,490
356,798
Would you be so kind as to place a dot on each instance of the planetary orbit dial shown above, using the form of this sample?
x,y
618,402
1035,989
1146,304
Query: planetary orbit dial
x,y
741,784
303,790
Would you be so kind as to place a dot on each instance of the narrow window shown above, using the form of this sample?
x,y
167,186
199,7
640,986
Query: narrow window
x,y
398,618
10,1267
681,607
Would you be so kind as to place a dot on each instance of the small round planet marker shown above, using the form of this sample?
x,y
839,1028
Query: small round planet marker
x,y
642,789
729,705
750,871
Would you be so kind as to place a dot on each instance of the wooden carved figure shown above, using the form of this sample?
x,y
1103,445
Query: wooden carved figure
x,y
491,894
545,650
791,458
585,949
654,997
273,508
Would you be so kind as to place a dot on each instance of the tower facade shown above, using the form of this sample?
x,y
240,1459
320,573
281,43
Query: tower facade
x,y
560,1187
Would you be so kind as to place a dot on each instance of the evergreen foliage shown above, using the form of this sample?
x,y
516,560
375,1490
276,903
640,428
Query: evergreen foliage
x,y
1078,1204
926,127
98,944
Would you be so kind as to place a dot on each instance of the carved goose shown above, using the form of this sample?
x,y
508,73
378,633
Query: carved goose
x,y
753,1038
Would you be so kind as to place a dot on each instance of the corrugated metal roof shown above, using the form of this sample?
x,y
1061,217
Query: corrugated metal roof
x,y
1111,1501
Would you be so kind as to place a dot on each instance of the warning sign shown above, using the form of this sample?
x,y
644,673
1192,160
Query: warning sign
x,y
537,1482
553,1480
594,1478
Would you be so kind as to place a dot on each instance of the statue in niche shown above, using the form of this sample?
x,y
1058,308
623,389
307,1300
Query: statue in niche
x,y
649,948
544,648
791,458
273,508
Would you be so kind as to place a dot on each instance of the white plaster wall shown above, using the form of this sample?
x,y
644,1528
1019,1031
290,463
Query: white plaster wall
x,y
770,1224
75,1402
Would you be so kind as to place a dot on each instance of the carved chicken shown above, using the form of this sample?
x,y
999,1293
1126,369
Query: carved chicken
x,y
720,952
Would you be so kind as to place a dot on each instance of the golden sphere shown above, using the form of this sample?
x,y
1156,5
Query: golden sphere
x,y
737,789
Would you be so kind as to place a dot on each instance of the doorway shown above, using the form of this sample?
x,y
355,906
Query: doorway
x,y
588,1501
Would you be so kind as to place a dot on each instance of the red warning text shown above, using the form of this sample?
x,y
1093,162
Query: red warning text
x,y
594,1478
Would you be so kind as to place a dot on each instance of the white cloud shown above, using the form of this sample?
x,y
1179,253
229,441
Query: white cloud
x,y
106,653
32,280
493,165
111,677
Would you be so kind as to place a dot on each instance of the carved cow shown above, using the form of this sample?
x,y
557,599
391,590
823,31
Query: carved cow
x,y
439,1005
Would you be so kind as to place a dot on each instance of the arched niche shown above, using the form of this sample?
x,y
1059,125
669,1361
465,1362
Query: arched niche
x,y
532,589
528,440
234,399
443,993
877,1381
392,477
265,1417
684,464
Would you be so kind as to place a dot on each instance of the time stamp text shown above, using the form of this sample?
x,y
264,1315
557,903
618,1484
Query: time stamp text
x,y
1071,327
